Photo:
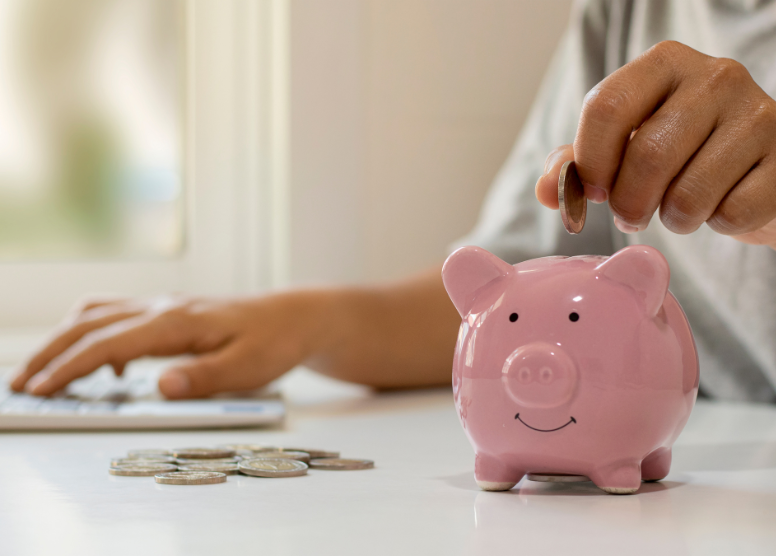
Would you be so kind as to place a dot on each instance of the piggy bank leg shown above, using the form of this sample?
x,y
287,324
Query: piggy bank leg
x,y
491,473
619,478
656,465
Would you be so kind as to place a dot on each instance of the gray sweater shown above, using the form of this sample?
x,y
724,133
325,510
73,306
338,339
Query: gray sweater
x,y
727,288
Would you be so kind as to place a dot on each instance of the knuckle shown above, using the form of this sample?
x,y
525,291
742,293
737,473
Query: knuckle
x,y
93,340
630,213
667,50
605,103
681,211
177,311
651,155
730,218
763,115
725,71
85,303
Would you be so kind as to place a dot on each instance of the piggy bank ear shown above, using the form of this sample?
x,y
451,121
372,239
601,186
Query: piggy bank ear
x,y
467,271
642,268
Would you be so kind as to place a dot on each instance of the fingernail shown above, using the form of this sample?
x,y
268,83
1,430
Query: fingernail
x,y
623,227
36,385
595,194
175,383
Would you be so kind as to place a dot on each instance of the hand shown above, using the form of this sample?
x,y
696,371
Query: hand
x,y
677,130
237,344
396,336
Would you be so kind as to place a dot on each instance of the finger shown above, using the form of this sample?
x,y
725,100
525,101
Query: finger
x,y
657,153
764,236
621,103
118,343
694,194
92,302
220,371
547,185
95,319
750,205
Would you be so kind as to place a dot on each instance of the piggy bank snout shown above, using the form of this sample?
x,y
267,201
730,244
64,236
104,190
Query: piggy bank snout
x,y
539,375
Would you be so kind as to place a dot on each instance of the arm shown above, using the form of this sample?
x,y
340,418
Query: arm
x,y
393,336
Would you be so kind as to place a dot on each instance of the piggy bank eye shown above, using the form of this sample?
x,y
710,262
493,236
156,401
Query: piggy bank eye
x,y
513,317
574,317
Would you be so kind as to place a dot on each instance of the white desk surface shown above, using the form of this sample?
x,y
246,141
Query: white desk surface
x,y
56,496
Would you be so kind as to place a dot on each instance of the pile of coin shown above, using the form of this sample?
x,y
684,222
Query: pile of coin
x,y
207,466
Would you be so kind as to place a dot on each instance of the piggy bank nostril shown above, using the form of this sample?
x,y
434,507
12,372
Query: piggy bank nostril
x,y
545,375
524,375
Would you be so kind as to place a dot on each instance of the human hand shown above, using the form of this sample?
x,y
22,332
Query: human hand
x,y
237,344
676,130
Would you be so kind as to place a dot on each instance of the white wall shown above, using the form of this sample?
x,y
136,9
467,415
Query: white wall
x,y
402,112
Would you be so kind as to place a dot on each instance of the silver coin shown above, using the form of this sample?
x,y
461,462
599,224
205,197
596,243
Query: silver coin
x,y
571,198
225,468
203,453
190,478
556,478
299,456
187,461
273,467
339,464
314,453
149,459
150,452
141,469
244,449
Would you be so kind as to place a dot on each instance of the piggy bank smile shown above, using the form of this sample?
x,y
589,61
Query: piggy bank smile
x,y
570,421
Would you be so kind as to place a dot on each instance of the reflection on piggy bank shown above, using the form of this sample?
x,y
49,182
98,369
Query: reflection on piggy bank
x,y
570,366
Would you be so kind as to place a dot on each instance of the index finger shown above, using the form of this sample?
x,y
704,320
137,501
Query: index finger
x,y
620,104
116,344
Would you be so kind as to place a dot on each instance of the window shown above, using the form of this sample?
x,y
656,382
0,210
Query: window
x,y
142,149
90,148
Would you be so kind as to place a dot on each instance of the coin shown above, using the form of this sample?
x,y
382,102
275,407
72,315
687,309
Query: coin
x,y
571,199
190,478
338,464
187,461
141,469
225,468
314,453
203,453
248,448
556,478
149,459
151,452
273,467
300,456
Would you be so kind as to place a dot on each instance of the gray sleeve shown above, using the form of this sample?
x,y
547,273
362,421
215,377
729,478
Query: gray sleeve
x,y
512,223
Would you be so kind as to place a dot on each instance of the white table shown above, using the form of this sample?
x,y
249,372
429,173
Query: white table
x,y
57,498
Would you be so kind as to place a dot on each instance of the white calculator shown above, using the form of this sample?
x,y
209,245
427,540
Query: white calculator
x,y
102,401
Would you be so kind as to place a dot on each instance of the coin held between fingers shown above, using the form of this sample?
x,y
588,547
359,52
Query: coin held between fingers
x,y
571,199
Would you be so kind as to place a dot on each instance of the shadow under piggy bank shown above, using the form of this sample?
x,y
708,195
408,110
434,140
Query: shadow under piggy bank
x,y
526,487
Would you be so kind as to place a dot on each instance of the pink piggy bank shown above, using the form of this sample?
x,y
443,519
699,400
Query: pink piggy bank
x,y
570,366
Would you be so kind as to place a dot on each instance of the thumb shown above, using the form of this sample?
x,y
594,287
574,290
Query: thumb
x,y
547,185
206,374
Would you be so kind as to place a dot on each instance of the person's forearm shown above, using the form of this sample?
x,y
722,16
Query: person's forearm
x,y
396,336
